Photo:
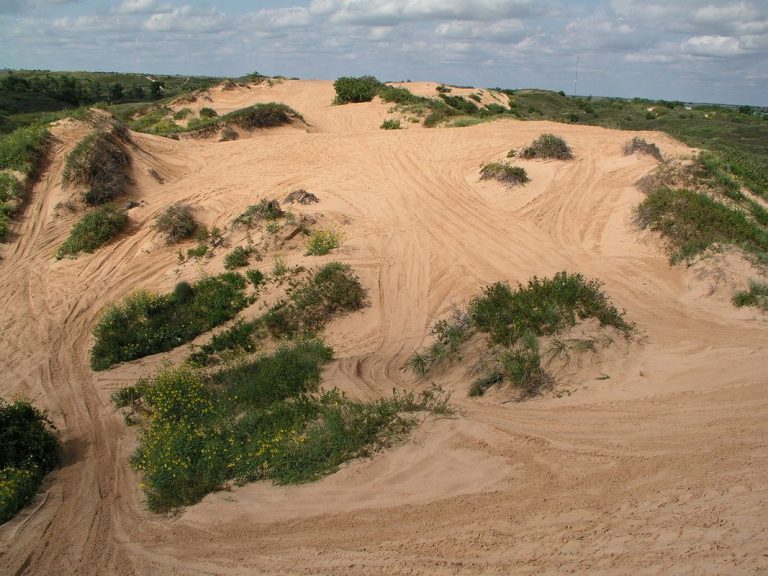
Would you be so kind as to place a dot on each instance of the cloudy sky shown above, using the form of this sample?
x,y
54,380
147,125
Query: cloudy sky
x,y
693,50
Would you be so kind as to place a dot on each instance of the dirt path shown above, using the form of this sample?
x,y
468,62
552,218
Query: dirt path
x,y
658,469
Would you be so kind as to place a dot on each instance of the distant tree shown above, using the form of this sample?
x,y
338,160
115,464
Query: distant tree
x,y
116,92
745,109
136,92
156,90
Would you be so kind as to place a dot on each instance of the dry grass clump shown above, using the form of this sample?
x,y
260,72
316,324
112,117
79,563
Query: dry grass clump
x,y
548,146
638,144
503,172
176,222
302,197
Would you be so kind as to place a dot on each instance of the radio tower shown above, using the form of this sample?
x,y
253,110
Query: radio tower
x,y
576,79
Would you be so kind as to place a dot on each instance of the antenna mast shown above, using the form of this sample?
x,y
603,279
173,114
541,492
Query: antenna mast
x,y
576,79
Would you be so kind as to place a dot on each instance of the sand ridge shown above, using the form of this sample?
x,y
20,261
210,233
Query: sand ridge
x,y
658,469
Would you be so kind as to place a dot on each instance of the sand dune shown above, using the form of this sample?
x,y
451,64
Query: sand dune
x,y
658,469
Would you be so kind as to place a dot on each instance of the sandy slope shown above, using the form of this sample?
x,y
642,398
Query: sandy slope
x,y
659,469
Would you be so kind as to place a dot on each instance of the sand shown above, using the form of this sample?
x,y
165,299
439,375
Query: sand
x,y
658,469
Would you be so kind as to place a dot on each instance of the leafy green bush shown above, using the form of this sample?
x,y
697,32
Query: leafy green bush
x,y
460,103
208,113
182,114
321,242
548,146
256,277
756,295
237,258
360,89
400,96
24,149
638,144
262,116
261,419
176,222
329,290
145,323
94,229
11,197
693,221
101,163
522,363
28,451
503,172
390,124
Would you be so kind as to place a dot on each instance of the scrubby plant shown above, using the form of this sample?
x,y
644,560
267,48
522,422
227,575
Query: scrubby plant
x,y
390,124
359,89
145,323
101,163
321,242
638,144
176,222
256,277
24,149
264,210
548,146
29,450
755,295
208,113
237,258
11,198
522,364
503,172
93,230
692,222
460,103
228,134
400,96
182,114
265,115
443,89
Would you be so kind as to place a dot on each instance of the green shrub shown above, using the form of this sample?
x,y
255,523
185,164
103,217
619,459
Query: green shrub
x,y
256,277
756,295
176,222
460,103
390,124
28,451
693,221
145,323
262,116
443,89
24,149
238,338
182,114
522,364
237,258
400,96
483,383
321,242
330,290
503,172
548,146
264,210
208,113
93,230
101,163
638,144
360,89
11,197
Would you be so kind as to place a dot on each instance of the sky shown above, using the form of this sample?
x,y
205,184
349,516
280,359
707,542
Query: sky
x,y
690,50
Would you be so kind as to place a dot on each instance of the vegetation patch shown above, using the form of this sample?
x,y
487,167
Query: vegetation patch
x,y
693,221
262,116
265,419
321,242
11,198
642,146
504,172
390,124
548,146
29,450
176,223
237,258
756,295
101,163
264,210
145,323
514,319
24,149
356,89
94,229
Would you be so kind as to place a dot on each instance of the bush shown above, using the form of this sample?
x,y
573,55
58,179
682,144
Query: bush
x,y
11,197
511,175
548,146
256,277
237,258
330,290
460,103
176,223
228,134
692,221
390,124
208,113
756,295
638,144
264,210
101,163
145,323
321,242
94,229
182,114
360,89
24,149
262,116
400,96
28,451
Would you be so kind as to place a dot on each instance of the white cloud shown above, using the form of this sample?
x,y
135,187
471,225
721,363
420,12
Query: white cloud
x,y
142,7
717,46
187,19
